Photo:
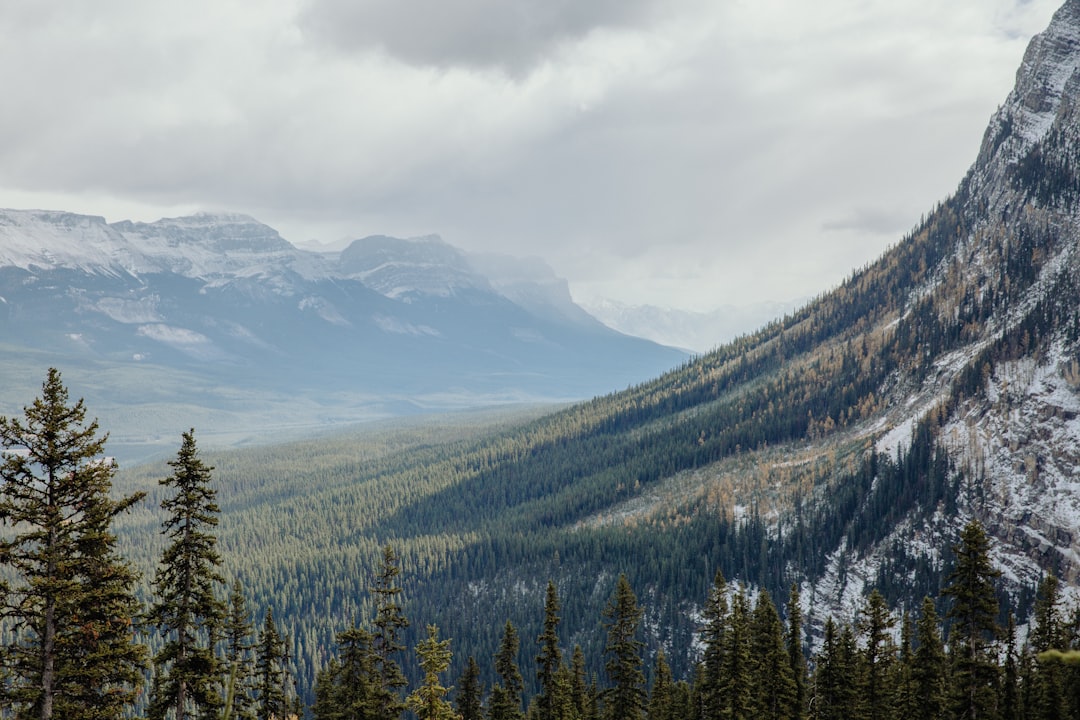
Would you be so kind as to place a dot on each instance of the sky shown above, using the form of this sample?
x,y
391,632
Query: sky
x,y
680,153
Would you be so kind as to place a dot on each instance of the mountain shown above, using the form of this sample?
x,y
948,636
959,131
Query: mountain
x,y
838,448
218,319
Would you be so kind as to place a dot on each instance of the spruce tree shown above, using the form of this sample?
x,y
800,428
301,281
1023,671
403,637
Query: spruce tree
x,y
71,653
626,698
974,626
505,700
549,659
737,673
662,696
238,656
875,667
389,623
429,700
470,693
796,658
1048,633
710,679
929,672
773,686
271,672
187,612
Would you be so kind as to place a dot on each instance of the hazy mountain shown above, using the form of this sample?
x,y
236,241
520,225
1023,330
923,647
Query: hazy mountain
x,y
220,319
698,332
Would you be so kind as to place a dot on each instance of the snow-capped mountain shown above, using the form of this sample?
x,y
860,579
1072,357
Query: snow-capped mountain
x,y
226,302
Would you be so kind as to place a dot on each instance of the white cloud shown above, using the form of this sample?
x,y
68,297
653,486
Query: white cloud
x,y
687,153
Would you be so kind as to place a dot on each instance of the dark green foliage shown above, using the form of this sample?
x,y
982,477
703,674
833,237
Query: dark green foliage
x,y
974,627
428,701
796,658
875,671
271,672
188,675
470,693
505,701
71,652
833,695
930,668
239,660
388,625
345,689
550,659
625,698
774,693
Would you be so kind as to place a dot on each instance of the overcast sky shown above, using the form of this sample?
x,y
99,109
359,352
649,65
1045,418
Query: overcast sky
x,y
687,153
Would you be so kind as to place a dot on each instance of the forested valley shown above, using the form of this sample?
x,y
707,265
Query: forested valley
x,y
83,638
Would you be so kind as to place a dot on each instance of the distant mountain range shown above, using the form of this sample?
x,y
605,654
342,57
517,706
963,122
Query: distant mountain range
x,y
697,332
217,321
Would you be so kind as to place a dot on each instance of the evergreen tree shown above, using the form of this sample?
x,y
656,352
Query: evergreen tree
x,y
390,622
710,678
71,653
796,658
773,693
737,674
505,700
875,668
930,669
271,672
833,697
469,697
662,697
429,700
188,674
1010,676
974,626
1048,633
549,659
238,651
345,688
582,695
626,698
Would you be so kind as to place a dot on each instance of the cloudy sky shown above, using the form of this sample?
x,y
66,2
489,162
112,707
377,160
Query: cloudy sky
x,y
687,153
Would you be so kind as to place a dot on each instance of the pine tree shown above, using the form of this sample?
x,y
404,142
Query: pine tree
x,y
796,658
429,700
505,700
662,697
1048,633
549,659
238,656
710,680
930,669
974,626
833,697
773,691
72,653
1010,676
345,688
581,693
389,623
271,672
737,677
470,693
626,698
875,692
187,612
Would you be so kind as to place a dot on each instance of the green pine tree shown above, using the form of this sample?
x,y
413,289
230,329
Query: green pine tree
x,y
505,700
429,701
239,645
1048,633
974,626
389,623
470,693
773,689
271,672
70,652
875,666
710,681
736,690
796,658
187,612
550,658
930,668
626,698
662,697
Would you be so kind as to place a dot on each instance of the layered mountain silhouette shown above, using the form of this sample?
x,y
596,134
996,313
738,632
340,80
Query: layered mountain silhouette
x,y
219,317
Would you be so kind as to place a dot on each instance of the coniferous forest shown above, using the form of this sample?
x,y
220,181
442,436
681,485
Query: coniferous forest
x,y
84,637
